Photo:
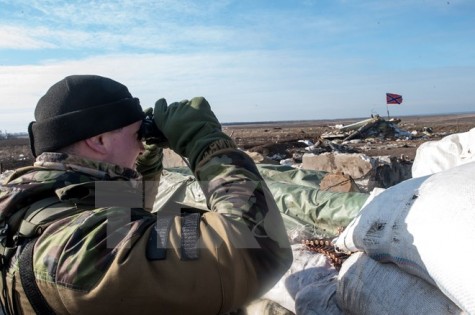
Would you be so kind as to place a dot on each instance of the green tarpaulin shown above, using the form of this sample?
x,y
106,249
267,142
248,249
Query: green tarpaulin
x,y
307,211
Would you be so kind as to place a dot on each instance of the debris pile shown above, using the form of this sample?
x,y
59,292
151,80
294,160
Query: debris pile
x,y
373,152
370,128
366,135
342,151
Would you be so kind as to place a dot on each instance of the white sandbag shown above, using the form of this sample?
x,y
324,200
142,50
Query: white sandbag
x,y
309,286
318,298
366,286
266,307
450,151
426,226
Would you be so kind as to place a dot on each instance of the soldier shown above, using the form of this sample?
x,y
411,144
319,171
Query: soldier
x,y
74,235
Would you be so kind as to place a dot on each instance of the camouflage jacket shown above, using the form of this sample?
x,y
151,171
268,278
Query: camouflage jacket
x,y
113,257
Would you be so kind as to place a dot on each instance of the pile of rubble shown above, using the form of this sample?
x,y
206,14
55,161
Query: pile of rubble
x,y
370,128
341,154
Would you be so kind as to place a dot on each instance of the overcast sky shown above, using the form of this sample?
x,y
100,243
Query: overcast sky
x,y
254,60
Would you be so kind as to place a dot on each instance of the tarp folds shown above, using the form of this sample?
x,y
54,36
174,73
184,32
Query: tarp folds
x,y
290,175
307,211
322,213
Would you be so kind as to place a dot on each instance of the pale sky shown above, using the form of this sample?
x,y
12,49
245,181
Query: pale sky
x,y
254,60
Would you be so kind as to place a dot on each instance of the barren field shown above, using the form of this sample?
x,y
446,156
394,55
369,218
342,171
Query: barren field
x,y
282,138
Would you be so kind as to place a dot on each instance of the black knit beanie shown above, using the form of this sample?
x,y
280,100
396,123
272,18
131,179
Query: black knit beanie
x,y
79,107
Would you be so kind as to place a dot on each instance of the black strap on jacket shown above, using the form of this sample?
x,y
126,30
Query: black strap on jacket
x,y
28,281
190,235
158,240
29,225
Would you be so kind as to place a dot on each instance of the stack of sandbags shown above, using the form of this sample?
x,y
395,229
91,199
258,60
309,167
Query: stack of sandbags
x,y
426,227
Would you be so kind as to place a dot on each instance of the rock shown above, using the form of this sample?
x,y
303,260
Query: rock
x,y
367,172
356,165
338,182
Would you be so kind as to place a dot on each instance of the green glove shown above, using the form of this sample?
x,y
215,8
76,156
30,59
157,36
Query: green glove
x,y
190,127
149,163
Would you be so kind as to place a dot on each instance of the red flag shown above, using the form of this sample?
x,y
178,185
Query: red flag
x,y
393,98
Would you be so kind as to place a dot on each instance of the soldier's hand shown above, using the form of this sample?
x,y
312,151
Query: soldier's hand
x,y
189,126
149,163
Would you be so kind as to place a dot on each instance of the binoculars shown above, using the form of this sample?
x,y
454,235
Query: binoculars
x,y
150,133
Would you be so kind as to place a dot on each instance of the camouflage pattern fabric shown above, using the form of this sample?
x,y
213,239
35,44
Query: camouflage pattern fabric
x,y
95,261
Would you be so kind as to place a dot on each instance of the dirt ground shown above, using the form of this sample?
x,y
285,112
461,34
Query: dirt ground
x,y
281,139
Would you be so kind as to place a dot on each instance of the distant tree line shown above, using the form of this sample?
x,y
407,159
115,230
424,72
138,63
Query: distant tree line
x,y
9,135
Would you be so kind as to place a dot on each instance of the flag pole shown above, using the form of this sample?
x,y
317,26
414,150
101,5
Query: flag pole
x,y
387,109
